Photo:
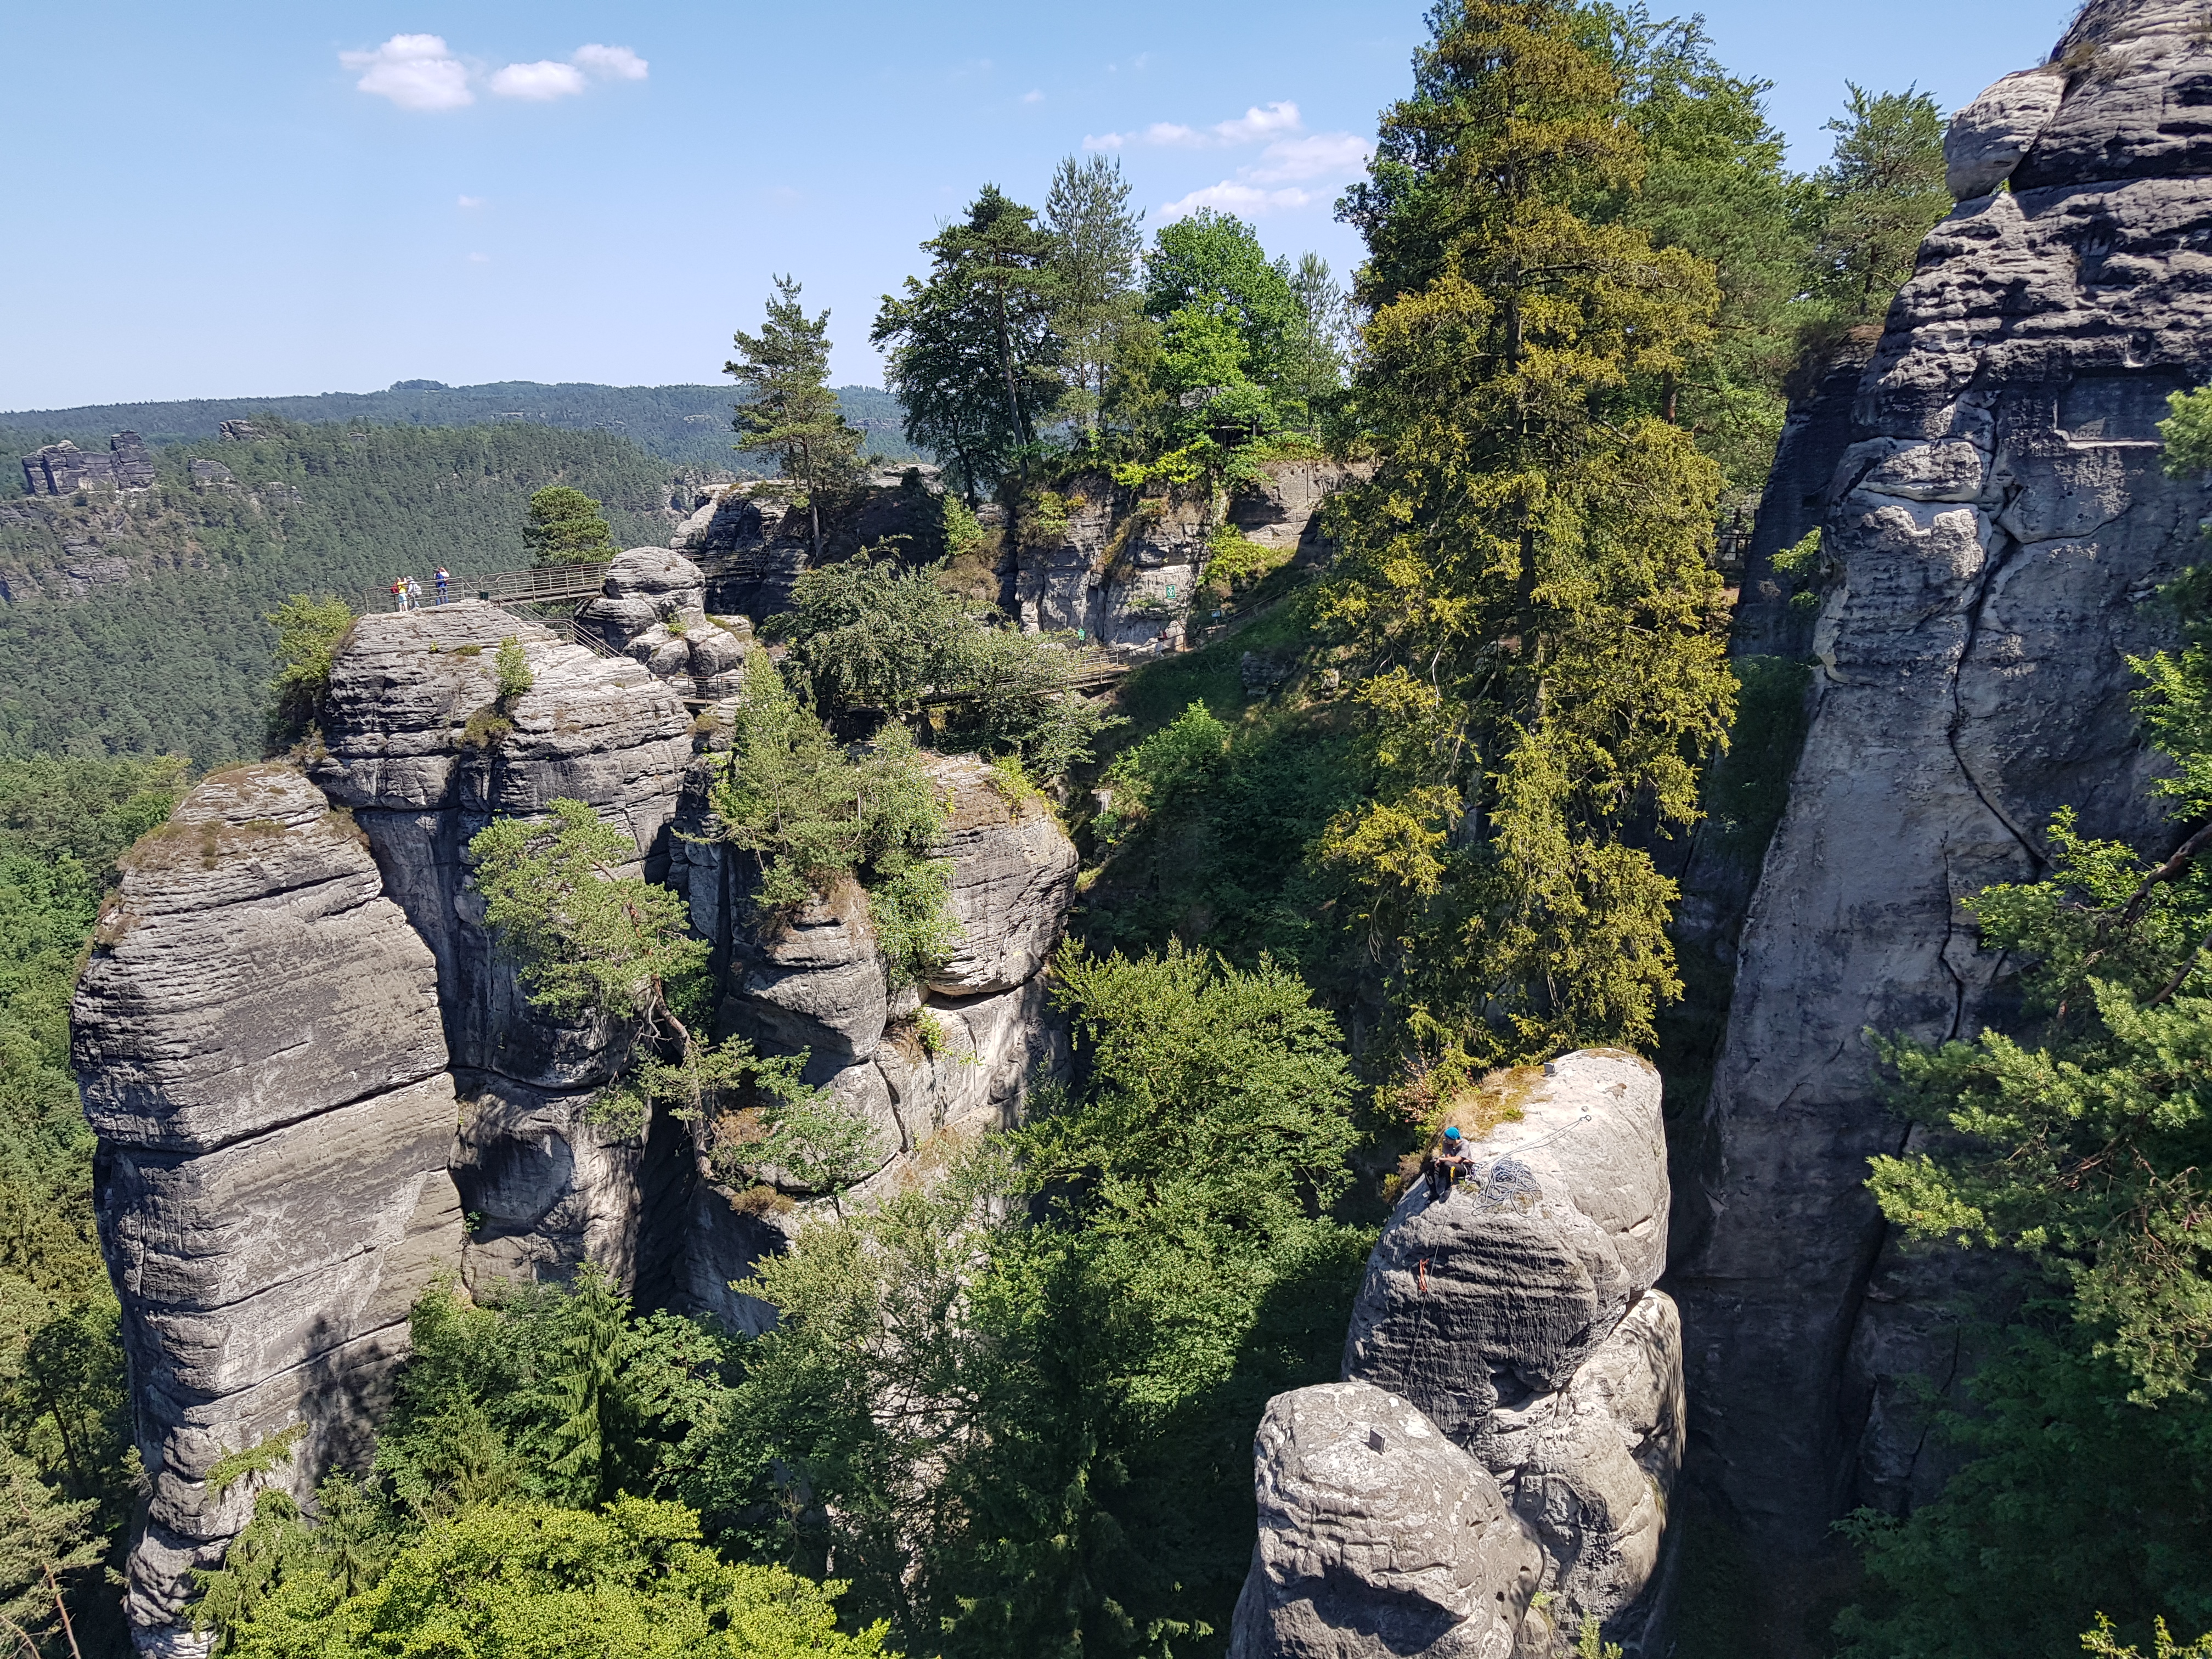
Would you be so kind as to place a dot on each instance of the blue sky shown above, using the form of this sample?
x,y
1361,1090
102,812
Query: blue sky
x,y
248,199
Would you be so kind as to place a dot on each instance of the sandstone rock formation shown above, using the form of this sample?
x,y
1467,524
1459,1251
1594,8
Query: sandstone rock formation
x,y
261,1054
1519,1319
654,610
2002,529
1126,569
1379,1538
752,541
62,469
550,1186
819,982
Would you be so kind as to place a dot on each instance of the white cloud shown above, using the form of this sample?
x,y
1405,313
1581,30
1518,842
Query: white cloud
x,y
480,258
542,81
1032,98
470,201
415,71
1229,196
1254,125
1316,155
608,63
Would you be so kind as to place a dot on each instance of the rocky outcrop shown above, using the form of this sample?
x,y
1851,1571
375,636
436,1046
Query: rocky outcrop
x,y
2002,530
948,1058
753,541
258,1041
550,1186
1519,1318
62,469
1126,569
654,610
1379,1538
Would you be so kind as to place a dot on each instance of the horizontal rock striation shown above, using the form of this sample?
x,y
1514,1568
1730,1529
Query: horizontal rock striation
x,y
2002,529
1518,1318
258,1038
401,753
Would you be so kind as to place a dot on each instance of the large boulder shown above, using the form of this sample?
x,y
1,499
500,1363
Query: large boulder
x,y
1379,1538
1500,1294
1013,878
258,1042
1993,135
1514,1320
644,585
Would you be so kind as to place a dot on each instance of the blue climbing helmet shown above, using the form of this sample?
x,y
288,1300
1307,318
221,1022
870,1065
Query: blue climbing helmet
x,y
1451,1135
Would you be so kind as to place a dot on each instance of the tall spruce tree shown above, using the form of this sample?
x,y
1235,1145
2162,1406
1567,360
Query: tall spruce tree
x,y
1884,190
1523,587
794,414
973,355
1094,267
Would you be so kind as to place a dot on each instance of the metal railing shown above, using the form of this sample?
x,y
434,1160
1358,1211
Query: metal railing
x,y
544,584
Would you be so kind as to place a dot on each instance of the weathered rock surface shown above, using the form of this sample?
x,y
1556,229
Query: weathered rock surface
x,y
753,541
1379,1539
604,732
1517,1321
257,1039
653,611
1506,1290
819,982
62,469
1993,135
2002,528
1126,570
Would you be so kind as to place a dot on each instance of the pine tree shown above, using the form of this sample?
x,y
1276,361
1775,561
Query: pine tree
x,y
1885,189
1094,263
43,1541
566,528
1523,587
792,414
973,355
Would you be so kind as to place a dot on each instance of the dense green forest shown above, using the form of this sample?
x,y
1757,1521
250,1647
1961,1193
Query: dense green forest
x,y
172,659
1008,1414
688,425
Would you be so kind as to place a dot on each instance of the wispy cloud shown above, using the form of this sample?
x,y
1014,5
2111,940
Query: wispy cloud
x,y
419,72
1230,196
470,201
1032,98
542,81
1254,125
1316,155
608,63
415,71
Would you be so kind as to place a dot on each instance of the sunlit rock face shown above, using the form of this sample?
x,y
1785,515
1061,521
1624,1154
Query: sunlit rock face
x,y
258,1038
2001,528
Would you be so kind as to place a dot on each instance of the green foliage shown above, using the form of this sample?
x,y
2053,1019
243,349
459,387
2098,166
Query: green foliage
x,y
565,528
529,1581
2077,1144
176,659
309,633
511,670
2102,1643
1523,587
1166,771
1096,241
2188,433
812,814
865,634
259,1458
791,412
972,354
1882,191
590,939
1021,1401
47,1544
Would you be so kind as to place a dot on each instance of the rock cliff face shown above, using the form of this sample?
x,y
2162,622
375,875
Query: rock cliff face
x,y
2002,526
1518,1322
653,610
1126,569
305,1060
62,469
262,1057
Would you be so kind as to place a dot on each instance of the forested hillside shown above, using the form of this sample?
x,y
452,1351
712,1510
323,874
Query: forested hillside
x,y
683,423
157,644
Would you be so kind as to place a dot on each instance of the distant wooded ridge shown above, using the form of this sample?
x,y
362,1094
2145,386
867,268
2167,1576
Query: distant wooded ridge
x,y
683,423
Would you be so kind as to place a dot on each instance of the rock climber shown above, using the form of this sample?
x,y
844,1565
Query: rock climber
x,y
1448,1164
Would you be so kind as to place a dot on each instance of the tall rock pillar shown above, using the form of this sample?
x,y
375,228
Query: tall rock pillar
x,y
2001,530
